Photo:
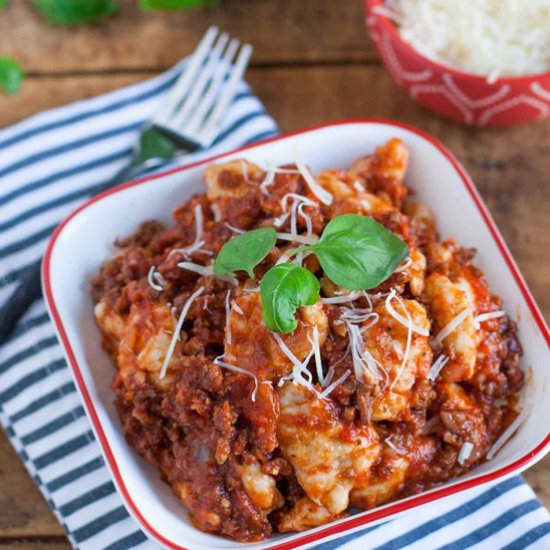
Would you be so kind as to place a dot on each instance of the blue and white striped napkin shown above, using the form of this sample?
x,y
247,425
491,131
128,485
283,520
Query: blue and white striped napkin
x,y
49,164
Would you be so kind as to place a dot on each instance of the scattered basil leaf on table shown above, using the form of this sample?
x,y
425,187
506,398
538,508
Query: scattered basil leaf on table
x,y
73,12
284,288
175,4
11,75
358,253
244,252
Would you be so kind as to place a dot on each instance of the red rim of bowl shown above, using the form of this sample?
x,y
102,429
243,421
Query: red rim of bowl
x,y
440,67
355,521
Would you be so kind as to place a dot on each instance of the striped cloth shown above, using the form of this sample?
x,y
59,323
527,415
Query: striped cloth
x,y
49,164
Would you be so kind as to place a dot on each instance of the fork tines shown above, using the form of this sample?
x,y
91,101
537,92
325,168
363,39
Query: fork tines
x,y
205,89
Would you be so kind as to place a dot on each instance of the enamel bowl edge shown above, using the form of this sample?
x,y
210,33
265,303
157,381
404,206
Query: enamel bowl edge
x,y
85,239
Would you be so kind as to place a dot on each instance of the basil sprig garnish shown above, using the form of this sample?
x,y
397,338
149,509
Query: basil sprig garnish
x,y
244,252
357,252
284,288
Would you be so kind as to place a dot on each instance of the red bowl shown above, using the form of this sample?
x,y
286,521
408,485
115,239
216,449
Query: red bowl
x,y
460,96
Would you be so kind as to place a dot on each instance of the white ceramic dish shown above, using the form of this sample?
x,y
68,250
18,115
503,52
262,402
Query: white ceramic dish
x,y
85,240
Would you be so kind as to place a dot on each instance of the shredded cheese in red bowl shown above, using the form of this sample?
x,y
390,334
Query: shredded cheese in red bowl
x,y
483,63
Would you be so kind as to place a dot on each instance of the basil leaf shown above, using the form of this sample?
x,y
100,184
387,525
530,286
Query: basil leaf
x,y
154,144
284,288
3,4
73,12
358,253
11,75
244,252
175,4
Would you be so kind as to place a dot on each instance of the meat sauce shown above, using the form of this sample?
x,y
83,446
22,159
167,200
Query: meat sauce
x,y
248,451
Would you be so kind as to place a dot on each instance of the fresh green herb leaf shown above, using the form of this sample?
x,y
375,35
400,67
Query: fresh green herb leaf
x,y
154,144
284,288
74,12
358,253
244,252
175,4
11,75
3,4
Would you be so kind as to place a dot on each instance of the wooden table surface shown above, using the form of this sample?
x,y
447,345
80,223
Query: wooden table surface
x,y
312,63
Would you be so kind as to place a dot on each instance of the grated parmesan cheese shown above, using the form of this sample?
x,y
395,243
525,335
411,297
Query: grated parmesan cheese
x,y
177,331
358,186
509,431
317,354
346,353
326,392
365,203
270,176
198,243
360,316
234,229
297,259
251,289
218,361
299,369
204,270
409,324
353,295
155,279
279,221
438,365
452,325
268,180
299,202
217,213
486,316
404,265
303,239
207,270
286,171
364,364
300,374
244,166
295,197
494,38
465,452
330,375
398,317
322,194
227,320
388,441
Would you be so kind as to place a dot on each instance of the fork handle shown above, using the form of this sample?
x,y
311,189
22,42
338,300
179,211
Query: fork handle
x,y
29,289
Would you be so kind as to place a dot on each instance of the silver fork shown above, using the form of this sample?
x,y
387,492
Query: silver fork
x,y
191,116
189,120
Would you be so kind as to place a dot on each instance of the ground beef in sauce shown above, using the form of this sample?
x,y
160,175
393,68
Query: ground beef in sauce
x,y
250,453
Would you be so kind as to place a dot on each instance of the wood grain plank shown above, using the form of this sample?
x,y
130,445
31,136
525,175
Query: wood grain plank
x,y
301,31
24,511
539,478
35,544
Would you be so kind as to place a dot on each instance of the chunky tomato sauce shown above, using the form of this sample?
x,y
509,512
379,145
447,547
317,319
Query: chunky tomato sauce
x,y
417,381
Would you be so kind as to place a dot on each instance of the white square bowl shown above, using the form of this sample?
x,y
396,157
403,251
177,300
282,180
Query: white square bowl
x,y
85,240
